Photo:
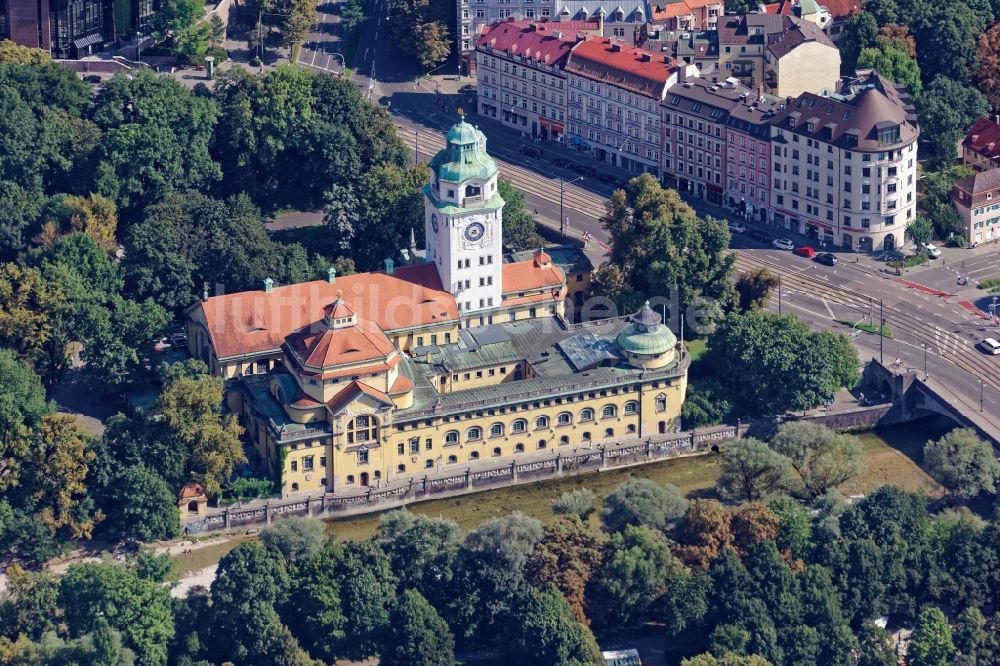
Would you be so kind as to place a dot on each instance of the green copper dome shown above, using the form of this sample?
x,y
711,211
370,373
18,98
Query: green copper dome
x,y
646,334
465,155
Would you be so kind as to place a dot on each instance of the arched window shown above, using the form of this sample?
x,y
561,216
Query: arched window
x,y
587,414
401,469
631,427
496,452
193,506
496,430
429,463
610,432
541,444
608,411
473,190
451,437
541,422
519,425
475,433
586,437
363,428
350,479
474,455
564,418
519,448
564,440
661,403
452,459
631,407
295,487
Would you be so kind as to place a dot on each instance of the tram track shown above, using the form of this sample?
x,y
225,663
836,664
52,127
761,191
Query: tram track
x,y
946,344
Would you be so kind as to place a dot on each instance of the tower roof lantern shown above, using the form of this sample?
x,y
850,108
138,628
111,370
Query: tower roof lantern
x,y
464,156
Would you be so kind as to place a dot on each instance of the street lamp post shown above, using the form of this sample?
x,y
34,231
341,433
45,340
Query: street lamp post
x,y
924,344
416,145
981,385
779,295
138,47
562,218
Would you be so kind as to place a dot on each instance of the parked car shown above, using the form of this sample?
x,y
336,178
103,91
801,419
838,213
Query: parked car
x,y
92,78
805,251
932,251
584,169
737,228
783,244
607,178
760,235
990,346
532,151
826,258
562,163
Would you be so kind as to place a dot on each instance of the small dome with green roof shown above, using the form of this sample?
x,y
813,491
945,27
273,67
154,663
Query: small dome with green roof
x,y
646,341
465,155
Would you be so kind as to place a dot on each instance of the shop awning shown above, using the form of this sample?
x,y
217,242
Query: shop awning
x,y
89,40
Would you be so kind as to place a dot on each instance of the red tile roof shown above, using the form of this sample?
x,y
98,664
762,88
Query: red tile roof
x,y
192,489
353,391
401,385
541,41
527,276
984,138
318,346
839,9
251,322
678,8
617,63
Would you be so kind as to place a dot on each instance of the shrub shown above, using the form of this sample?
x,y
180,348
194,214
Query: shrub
x,y
575,502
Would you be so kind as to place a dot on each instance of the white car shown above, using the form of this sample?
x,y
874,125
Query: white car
x,y
932,251
737,228
990,346
783,244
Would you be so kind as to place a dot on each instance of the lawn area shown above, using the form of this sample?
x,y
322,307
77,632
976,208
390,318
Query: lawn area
x,y
696,348
867,328
891,457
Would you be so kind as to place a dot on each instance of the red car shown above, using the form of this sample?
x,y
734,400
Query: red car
x,y
805,251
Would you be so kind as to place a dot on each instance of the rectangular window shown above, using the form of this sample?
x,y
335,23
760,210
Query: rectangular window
x,y
362,457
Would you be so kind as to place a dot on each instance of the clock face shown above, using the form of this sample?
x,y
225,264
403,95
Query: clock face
x,y
434,222
474,232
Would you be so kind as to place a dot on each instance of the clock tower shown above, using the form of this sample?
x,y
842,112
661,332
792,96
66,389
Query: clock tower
x,y
464,220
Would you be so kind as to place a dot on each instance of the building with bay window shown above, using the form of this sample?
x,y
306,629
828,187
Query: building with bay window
x,y
844,166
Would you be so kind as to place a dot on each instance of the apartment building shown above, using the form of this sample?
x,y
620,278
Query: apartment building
x,y
981,146
613,102
697,47
844,165
977,200
830,15
777,54
694,120
748,157
520,77
687,14
620,20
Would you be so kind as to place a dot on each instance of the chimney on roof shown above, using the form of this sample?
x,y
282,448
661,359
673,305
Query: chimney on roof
x,y
788,100
646,57
204,293
616,48
557,34
996,119
268,285
388,266
331,275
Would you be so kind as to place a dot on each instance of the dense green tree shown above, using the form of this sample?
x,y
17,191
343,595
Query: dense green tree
x,y
519,231
117,337
176,16
297,539
725,660
420,30
31,604
963,463
822,458
951,28
249,584
875,646
884,11
859,33
893,63
936,203
568,555
422,551
141,505
316,607
22,406
417,635
921,230
704,404
547,634
19,211
140,609
796,531
754,288
751,470
490,574
578,503
659,244
946,109
156,139
367,590
930,643
776,364
970,636
631,578
639,501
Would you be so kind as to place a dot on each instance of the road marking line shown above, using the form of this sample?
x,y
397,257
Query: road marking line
x,y
828,308
313,61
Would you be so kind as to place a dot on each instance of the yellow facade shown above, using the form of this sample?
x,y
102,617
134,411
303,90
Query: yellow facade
x,y
425,446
